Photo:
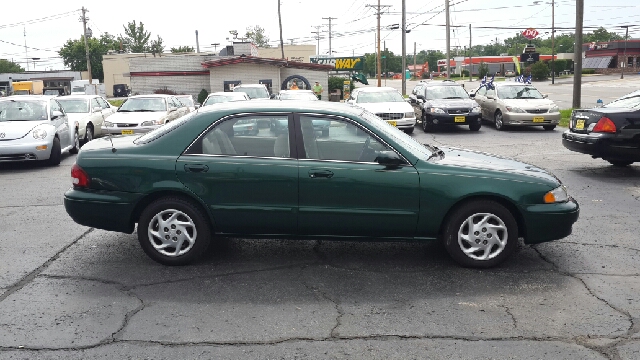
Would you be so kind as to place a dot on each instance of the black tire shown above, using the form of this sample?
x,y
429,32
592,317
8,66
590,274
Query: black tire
x,y
325,133
505,228
548,127
409,130
186,211
498,120
76,145
620,163
56,153
88,133
475,126
427,123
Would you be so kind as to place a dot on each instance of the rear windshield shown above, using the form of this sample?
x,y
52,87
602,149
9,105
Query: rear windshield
x,y
253,92
23,110
630,101
74,106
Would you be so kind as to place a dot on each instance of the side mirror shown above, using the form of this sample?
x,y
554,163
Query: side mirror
x,y
389,158
472,95
272,96
97,109
56,114
544,96
420,96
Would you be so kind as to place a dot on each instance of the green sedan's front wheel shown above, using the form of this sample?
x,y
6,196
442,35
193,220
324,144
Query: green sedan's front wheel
x,y
173,231
480,234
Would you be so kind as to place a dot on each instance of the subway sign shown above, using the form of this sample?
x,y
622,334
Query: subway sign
x,y
341,63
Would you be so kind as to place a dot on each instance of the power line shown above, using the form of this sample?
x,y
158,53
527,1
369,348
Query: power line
x,y
28,47
46,18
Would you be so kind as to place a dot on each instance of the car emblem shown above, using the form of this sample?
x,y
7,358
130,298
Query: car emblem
x,y
2,135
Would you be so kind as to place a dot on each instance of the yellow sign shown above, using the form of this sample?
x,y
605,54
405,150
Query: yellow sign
x,y
517,62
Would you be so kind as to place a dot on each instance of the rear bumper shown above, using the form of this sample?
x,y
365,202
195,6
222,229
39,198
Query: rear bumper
x,y
604,146
107,210
548,222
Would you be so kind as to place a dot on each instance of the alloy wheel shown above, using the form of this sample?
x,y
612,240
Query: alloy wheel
x,y
172,233
482,236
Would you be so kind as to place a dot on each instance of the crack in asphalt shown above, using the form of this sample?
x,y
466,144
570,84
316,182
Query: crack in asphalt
x,y
513,318
33,274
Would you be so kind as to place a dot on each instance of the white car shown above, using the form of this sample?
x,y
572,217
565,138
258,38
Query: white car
x,y
90,111
388,104
297,95
187,100
222,97
35,127
143,113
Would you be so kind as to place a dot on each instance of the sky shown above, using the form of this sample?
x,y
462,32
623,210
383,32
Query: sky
x,y
49,24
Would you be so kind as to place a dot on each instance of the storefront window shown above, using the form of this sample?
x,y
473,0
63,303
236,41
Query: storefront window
x,y
630,61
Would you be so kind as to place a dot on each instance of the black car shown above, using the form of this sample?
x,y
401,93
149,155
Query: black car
x,y
611,132
121,90
444,102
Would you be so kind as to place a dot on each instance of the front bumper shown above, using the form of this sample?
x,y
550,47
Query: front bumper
x,y
404,123
25,149
599,145
114,130
548,222
527,119
107,210
455,119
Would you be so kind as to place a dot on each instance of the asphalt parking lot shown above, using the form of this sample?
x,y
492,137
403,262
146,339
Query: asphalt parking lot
x,y
72,292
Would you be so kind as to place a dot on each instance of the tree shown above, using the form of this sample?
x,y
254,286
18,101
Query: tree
x,y
483,70
7,66
256,35
539,71
156,46
73,53
136,37
183,49
202,96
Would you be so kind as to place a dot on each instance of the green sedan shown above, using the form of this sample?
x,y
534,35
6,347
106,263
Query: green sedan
x,y
196,179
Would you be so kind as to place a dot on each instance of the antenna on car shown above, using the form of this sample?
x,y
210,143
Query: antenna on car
x,y
113,149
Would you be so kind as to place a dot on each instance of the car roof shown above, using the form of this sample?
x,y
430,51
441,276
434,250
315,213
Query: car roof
x,y
250,85
441,83
511,83
227,93
265,105
295,91
29,97
376,89
163,96
78,97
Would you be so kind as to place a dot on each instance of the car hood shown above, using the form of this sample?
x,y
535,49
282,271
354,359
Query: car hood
x,y
528,103
452,103
11,130
476,160
387,107
135,117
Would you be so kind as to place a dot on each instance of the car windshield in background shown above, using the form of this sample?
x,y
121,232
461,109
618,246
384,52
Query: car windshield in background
x,y
518,92
446,92
164,129
297,96
78,89
18,110
378,97
143,104
186,101
631,101
254,93
217,99
75,106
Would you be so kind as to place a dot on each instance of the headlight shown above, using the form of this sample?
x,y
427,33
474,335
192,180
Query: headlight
x,y
437,111
108,124
39,133
514,109
556,195
476,109
410,115
147,123
554,108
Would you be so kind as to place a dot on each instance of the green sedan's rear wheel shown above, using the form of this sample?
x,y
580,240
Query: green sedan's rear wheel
x,y
480,234
173,231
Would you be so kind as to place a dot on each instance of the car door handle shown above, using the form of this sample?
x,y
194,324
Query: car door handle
x,y
320,174
196,168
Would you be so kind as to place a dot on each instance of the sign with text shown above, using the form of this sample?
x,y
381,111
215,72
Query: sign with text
x,y
530,57
341,63
530,33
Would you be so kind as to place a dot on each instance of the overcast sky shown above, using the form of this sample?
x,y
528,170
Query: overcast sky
x,y
353,26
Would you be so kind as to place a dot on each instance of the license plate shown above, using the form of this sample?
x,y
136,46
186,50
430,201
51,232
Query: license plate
x,y
538,119
127,132
459,119
393,123
579,124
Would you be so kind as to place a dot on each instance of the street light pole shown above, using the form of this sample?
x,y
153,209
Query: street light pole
x,y
86,43
448,38
404,48
553,32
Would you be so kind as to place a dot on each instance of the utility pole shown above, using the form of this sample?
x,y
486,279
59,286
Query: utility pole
x,y
577,56
86,43
553,32
470,57
317,32
379,62
280,23
624,61
330,18
26,54
415,71
448,26
197,43
404,48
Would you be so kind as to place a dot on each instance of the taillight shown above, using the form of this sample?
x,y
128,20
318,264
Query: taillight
x,y
605,125
79,178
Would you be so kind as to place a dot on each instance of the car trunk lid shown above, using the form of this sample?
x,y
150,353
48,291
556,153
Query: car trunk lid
x,y
584,120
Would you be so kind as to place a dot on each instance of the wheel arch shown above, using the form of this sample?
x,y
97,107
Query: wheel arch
x,y
508,204
149,198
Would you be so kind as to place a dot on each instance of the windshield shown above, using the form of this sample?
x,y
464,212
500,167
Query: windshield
x,y
519,92
630,101
23,110
407,142
186,101
143,104
378,97
75,106
253,92
446,92
298,96
164,129
78,89
217,99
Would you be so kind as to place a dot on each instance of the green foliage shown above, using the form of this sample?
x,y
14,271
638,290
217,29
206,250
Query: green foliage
x,y
136,37
7,66
337,82
74,55
483,70
256,35
202,96
156,46
116,103
430,56
539,71
565,116
588,71
166,91
183,49
465,73
558,65
455,76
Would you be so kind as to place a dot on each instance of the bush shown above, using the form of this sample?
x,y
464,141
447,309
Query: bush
x,y
337,82
465,73
588,71
539,71
455,76
558,65
483,70
165,91
202,96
